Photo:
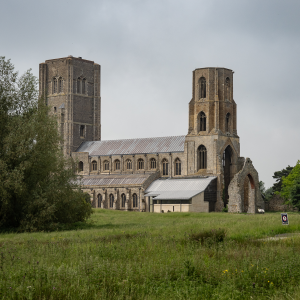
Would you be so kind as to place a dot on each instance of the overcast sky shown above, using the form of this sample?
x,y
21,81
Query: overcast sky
x,y
148,49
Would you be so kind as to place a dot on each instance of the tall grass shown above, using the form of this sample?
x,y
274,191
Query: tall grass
x,y
127,255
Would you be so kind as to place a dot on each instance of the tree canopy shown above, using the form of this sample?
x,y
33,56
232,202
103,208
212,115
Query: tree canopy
x,y
38,188
290,190
278,177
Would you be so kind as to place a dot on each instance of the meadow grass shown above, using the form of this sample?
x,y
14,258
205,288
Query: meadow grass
x,y
129,255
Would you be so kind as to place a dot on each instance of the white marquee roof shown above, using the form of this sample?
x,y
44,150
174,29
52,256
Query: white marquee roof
x,y
185,188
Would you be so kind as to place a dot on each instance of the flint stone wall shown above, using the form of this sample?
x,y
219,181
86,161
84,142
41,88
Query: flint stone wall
x,y
276,203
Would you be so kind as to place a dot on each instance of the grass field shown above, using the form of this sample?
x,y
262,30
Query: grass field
x,y
129,255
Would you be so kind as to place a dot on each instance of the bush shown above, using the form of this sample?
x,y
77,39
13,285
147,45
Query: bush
x,y
225,209
213,235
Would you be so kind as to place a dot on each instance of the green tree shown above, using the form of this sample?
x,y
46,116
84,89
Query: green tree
x,y
38,189
278,177
290,189
269,193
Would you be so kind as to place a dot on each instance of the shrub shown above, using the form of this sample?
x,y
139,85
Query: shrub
x,y
213,235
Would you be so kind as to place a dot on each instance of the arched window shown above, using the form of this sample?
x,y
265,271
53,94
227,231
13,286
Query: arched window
x,y
165,167
80,166
99,200
227,122
83,86
202,87
82,127
140,164
60,85
134,200
202,121
129,164
152,163
202,157
227,88
94,165
111,200
78,85
54,86
123,197
117,164
177,167
106,165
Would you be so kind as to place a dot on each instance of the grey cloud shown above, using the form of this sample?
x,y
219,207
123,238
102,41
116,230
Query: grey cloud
x,y
148,49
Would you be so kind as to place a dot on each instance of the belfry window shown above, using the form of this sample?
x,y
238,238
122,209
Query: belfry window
x,y
227,122
78,85
123,197
80,166
117,164
152,163
134,200
227,88
54,86
60,85
202,157
165,167
177,167
83,86
129,164
202,87
82,127
94,165
202,121
227,81
140,164
111,200
99,200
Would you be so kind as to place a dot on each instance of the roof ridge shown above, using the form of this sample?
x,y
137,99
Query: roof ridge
x,y
155,137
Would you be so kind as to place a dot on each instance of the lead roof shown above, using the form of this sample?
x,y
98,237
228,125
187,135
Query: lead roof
x,y
134,146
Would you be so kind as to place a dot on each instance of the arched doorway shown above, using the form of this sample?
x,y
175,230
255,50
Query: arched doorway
x,y
249,193
226,162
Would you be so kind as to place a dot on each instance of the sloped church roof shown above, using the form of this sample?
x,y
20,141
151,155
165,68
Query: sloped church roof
x,y
134,146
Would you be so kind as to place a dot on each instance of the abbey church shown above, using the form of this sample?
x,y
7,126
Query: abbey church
x,y
199,172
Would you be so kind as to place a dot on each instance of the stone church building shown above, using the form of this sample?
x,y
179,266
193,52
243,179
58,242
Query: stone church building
x,y
201,171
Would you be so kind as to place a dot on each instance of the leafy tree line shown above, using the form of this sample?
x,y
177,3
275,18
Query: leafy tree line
x,y
37,189
287,185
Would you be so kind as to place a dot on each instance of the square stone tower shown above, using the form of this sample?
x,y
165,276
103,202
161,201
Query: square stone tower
x,y
71,87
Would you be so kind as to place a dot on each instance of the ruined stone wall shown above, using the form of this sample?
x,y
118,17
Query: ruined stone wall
x,y
276,203
238,200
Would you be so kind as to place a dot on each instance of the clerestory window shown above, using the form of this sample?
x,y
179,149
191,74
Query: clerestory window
x,y
165,167
177,167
